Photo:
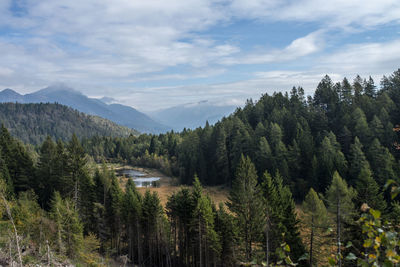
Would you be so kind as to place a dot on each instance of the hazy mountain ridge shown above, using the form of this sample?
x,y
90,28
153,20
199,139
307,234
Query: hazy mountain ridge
x,y
192,115
32,123
123,115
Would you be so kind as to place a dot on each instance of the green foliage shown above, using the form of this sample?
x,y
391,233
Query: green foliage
x,y
69,227
281,218
304,143
368,191
246,203
316,218
32,123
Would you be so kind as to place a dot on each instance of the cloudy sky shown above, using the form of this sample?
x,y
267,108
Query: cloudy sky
x,y
158,53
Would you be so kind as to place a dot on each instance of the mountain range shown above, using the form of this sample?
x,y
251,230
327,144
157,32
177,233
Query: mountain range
x,y
123,115
192,115
189,116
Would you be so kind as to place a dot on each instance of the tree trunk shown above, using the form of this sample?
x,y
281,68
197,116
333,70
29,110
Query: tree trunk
x,y
267,243
311,240
15,229
139,251
200,256
10,251
76,194
48,253
338,234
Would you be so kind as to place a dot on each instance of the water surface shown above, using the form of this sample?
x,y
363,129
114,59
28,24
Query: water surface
x,y
139,178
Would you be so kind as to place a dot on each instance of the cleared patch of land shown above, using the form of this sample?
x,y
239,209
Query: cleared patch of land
x,y
169,185
217,193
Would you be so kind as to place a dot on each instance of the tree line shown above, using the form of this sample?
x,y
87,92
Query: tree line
x,y
342,127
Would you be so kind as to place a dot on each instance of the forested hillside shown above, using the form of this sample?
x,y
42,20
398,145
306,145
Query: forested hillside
x,y
123,115
331,153
32,123
345,126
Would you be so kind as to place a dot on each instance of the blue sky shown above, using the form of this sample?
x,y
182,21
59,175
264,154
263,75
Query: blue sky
x,y
155,54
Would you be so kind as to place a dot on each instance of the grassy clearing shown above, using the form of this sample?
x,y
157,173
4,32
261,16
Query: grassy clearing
x,y
169,185
217,193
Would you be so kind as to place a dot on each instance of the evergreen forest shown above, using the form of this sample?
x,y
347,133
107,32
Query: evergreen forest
x,y
32,123
312,181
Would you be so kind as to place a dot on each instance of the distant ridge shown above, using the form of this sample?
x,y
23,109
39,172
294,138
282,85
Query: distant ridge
x,y
32,123
123,115
192,115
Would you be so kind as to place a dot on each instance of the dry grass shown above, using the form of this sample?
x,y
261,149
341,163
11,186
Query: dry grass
x,y
324,245
167,186
218,194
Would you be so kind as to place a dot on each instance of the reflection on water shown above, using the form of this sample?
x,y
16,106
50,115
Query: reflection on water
x,y
139,179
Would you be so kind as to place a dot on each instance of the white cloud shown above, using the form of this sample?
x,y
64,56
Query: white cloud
x,y
300,47
337,13
365,59
103,47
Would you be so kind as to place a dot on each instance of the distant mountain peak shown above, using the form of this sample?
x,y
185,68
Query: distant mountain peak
x,y
63,94
193,115
9,92
55,88
108,100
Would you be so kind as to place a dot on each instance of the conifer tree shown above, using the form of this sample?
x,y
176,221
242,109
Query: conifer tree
x,y
264,159
361,128
370,88
245,201
339,197
382,162
69,227
221,156
46,171
330,160
357,160
346,92
132,210
281,223
114,212
5,176
368,191
76,164
153,225
227,232
270,198
317,219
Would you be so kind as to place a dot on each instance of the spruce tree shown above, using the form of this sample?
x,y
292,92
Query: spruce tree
x,y
46,171
132,210
368,191
361,128
245,201
357,161
281,223
227,231
76,165
382,162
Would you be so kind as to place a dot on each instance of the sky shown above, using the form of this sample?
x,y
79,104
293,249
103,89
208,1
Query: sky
x,y
155,54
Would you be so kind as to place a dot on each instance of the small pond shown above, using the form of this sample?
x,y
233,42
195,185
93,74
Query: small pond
x,y
140,178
